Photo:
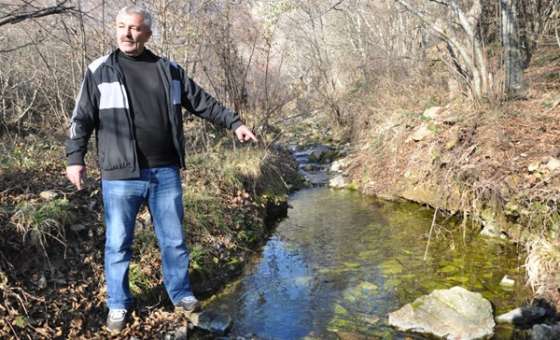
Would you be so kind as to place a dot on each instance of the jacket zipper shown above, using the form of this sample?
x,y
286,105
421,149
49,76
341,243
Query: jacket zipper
x,y
122,81
175,130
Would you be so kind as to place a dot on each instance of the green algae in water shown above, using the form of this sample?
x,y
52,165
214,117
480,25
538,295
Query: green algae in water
x,y
363,292
352,265
391,267
341,262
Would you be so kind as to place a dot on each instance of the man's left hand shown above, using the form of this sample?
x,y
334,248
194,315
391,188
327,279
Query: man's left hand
x,y
244,134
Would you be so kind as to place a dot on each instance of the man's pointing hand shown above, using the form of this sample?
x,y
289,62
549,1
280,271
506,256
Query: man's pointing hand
x,y
244,134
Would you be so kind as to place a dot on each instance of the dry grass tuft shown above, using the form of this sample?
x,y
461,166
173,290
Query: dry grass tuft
x,y
543,268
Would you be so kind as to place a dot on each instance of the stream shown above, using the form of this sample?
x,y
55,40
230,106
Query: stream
x,y
341,261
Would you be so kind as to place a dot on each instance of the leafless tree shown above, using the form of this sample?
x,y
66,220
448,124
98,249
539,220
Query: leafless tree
x,y
13,13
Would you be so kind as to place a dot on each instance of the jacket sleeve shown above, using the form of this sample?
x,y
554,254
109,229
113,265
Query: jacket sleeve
x,y
84,121
197,101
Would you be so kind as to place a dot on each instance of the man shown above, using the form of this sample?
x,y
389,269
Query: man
x,y
133,100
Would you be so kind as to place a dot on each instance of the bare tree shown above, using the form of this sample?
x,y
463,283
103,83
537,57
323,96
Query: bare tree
x,y
14,13
463,40
513,63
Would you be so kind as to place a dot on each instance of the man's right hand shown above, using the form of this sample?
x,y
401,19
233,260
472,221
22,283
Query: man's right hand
x,y
76,174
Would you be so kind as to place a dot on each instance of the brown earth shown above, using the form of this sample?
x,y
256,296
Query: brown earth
x,y
498,163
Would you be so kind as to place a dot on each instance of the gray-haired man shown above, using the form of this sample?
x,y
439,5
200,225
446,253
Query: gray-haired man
x,y
133,99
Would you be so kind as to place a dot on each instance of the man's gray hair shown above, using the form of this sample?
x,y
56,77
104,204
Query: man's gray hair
x,y
137,10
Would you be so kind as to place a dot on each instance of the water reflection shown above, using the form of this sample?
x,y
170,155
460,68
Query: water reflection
x,y
341,262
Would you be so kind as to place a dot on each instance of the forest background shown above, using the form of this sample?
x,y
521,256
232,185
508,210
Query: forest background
x,y
349,72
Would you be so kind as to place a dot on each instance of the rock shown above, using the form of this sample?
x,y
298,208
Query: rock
x,y
545,332
453,139
507,281
78,228
527,316
319,153
181,333
553,164
489,228
510,316
421,133
454,313
311,167
433,112
315,178
42,282
490,224
48,195
338,165
338,182
534,166
451,119
211,322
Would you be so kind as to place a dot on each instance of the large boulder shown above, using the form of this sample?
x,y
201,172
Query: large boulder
x,y
454,313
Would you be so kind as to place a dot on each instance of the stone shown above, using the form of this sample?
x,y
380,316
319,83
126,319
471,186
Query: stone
x,y
433,112
422,133
319,153
454,313
453,139
338,165
315,178
529,315
211,322
338,182
42,282
507,281
534,166
451,119
510,316
545,332
78,227
491,226
308,166
181,333
553,164
48,195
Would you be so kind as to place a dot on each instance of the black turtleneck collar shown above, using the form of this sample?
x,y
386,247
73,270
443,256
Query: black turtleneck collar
x,y
146,55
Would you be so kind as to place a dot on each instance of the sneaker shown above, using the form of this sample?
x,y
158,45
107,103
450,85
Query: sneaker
x,y
116,320
188,304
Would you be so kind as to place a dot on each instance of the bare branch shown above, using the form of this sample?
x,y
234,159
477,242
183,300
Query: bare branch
x,y
14,17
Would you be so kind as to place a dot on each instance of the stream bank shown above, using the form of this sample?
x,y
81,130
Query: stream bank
x,y
52,237
499,170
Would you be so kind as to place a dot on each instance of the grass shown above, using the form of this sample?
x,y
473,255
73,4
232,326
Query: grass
x,y
40,222
542,266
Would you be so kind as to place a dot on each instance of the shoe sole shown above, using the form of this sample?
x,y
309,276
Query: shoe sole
x,y
194,309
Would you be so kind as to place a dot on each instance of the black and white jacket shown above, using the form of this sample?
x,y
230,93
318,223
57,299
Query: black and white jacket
x,y
102,105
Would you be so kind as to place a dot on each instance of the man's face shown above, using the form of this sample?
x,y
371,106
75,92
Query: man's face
x,y
132,34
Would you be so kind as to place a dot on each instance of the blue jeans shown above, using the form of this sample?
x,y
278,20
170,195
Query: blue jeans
x,y
161,189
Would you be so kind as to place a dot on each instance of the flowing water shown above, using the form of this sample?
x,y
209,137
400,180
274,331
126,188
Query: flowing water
x,y
340,262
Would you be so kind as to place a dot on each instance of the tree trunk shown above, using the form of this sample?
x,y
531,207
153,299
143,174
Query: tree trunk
x,y
513,63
